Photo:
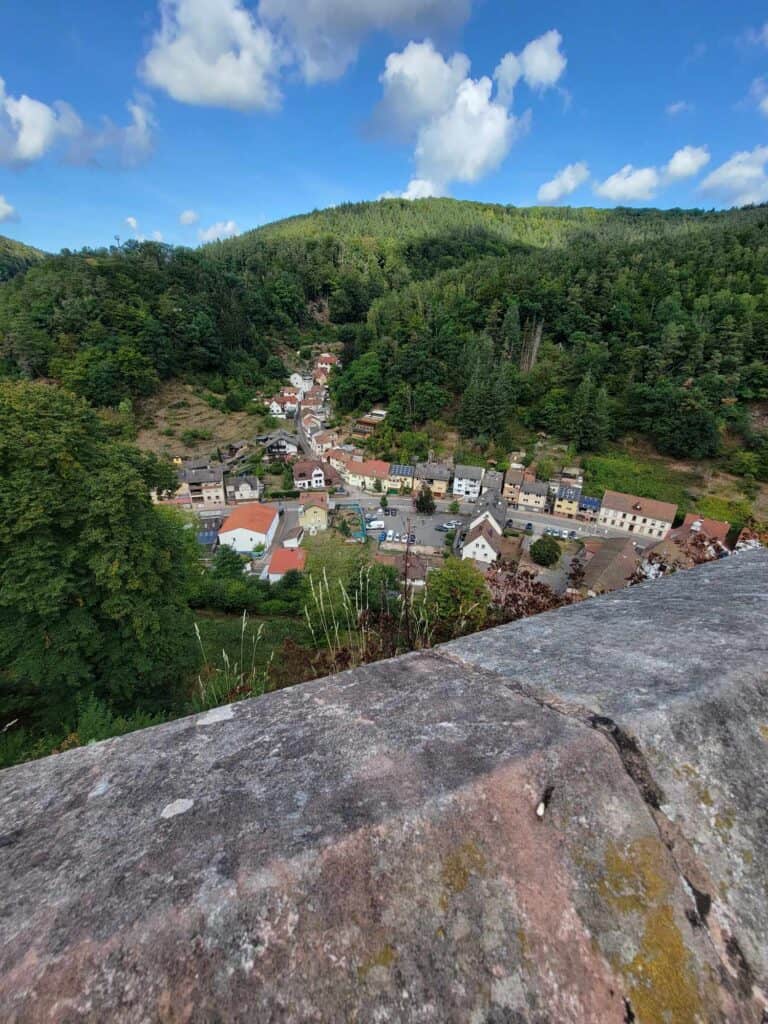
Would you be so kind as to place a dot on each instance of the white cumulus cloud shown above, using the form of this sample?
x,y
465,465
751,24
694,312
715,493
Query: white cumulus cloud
x,y
686,162
418,84
132,223
563,183
214,53
758,93
324,36
7,212
540,65
758,36
29,129
221,229
188,217
629,184
742,179
463,130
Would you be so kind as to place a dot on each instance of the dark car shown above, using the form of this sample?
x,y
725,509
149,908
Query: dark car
x,y
572,535
382,536
412,538
529,527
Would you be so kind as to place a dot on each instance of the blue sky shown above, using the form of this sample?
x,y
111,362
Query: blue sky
x,y
115,119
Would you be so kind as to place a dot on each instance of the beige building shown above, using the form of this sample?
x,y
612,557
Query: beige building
x,y
643,516
434,475
313,511
533,496
567,502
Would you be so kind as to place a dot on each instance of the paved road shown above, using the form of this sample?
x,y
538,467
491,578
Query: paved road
x,y
541,521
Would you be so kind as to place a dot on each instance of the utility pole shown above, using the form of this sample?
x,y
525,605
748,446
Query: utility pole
x,y
406,594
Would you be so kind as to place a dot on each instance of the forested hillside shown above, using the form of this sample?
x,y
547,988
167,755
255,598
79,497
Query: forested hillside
x,y
15,257
584,323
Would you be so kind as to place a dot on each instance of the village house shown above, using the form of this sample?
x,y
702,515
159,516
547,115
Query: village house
x,y
249,527
340,459
327,361
400,477
489,518
202,488
482,544
567,502
467,481
572,476
308,474
286,560
279,446
323,441
643,516
513,478
365,475
493,482
313,511
434,475
281,407
293,538
589,508
244,488
314,398
365,426
415,567
610,567
694,526
534,495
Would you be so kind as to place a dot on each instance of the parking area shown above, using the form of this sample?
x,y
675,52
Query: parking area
x,y
423,529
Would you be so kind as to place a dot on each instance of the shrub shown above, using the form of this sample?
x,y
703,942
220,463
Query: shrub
x,y
545,551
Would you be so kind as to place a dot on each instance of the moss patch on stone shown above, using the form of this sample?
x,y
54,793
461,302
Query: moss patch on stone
x,y
458,868
661,984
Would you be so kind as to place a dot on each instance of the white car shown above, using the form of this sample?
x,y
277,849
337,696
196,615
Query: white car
x,y
375,524
397,538
390,535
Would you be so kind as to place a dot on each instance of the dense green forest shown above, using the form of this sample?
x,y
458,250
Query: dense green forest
x,y
15,257
586,323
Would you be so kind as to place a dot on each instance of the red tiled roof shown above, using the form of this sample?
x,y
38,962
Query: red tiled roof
x,y
633,505
374,467
288,560
712,528
251,516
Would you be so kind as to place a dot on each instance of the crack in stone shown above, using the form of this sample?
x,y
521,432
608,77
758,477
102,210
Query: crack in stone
x,y
736,973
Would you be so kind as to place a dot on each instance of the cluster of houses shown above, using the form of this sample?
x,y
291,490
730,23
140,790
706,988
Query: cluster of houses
x,y
304,391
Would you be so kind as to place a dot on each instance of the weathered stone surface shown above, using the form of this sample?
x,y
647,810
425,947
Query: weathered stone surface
x,y
419,840
681,667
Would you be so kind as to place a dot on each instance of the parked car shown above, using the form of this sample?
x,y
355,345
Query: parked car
x,y
397,538
412,538
375,524
571,535
382,536
529,527
390,535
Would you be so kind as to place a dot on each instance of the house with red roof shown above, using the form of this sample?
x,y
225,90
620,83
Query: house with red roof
x,y
249,526
286,560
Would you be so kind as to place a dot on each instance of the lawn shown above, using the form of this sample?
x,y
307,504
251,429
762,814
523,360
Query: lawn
x,y
644,476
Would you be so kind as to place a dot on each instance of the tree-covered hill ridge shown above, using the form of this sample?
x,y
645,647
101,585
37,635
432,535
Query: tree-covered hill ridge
x,y
399,219
16,257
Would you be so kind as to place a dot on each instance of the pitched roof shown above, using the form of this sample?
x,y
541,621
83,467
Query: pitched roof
x,y
399,469
611,566
534,487
374,467
469,472
432,471
288,560
486,531
202,476
712,528
568,493
633,505
513,477
251,516
306,467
